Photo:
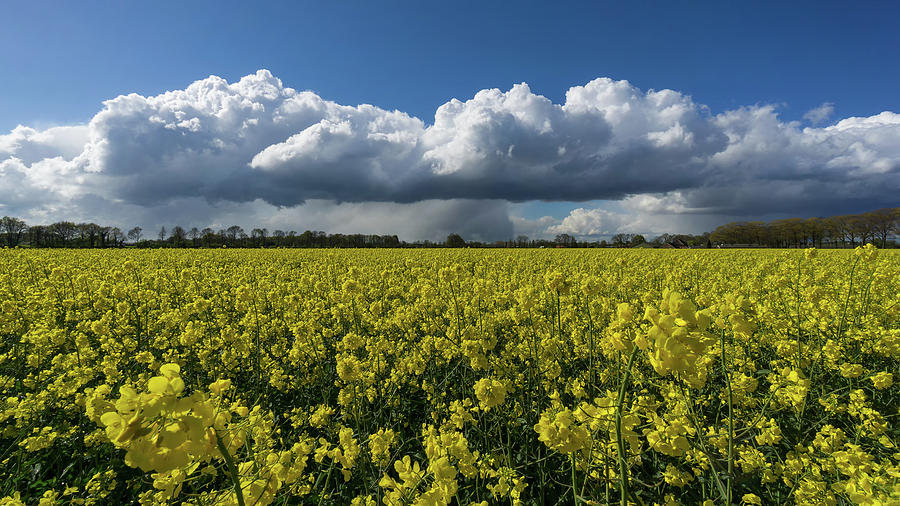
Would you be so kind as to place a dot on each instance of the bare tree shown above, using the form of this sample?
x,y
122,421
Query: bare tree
x,y
896,227
134,235
565,240
621,239
233,232
194,234
116,236
178,235
883,221
104,235
162,234
208,236
259,236
863,227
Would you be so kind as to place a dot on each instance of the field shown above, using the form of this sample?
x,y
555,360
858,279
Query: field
x,y
449,376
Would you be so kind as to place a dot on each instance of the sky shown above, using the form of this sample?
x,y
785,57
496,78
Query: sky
x,y
489,119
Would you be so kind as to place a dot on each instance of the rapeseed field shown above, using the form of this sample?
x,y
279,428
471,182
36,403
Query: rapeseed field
x,y
428,377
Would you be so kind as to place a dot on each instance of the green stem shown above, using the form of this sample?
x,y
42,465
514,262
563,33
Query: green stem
x,y
688,400
726,372
574,485
620,442
847,300
558,317
229,462
799,324
325,487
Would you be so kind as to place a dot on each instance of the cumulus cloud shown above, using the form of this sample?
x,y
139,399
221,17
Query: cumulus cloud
x,y
639,214
533,228
591,222
30,145
818,115
217,146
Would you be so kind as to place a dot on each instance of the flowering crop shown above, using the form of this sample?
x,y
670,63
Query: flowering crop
x,y
434,377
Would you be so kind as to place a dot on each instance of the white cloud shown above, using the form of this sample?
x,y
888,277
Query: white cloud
x,y
603,142
591,222
30,145
818,115
642,214
220,146
357,154
534,228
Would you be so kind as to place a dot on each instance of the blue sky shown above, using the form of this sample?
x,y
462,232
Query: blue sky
x,y
63,59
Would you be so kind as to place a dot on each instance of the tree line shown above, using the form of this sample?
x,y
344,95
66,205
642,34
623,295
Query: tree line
x,y
850,230
836,231
65,234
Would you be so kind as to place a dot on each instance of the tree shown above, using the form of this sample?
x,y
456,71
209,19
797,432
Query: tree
x,y
896,227
63,232
209,236
162,234
89,233
37,236
279,236
455,241
883,222
178,235
194,234
12,228
104,232
116,236
259,236
233,232
661,240
134,235
637,240
862,226
565,240
814,229
620,240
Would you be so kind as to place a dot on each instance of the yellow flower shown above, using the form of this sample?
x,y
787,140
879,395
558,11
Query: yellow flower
x,y
751,499
561,433
868,252
882,380
170,383
851,370
675,477
490,393
380,445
